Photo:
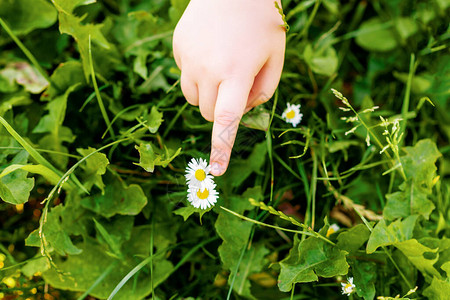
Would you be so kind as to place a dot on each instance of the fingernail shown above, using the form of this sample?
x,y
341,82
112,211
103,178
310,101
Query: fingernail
x,y
217,169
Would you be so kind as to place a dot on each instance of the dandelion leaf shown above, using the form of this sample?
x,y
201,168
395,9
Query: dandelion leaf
x,y
15,187
74,26
438,289
384,235
87,268
118,198
419,165
310,259
24,16
365,275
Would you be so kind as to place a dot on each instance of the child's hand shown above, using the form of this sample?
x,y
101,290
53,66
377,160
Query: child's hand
x,y
231,55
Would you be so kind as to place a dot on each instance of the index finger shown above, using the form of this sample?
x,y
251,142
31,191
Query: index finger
x,y
230,105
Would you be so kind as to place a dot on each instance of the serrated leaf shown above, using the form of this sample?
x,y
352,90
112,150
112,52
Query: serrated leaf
x,y
118,198
151,157
23,16
398,231
310,259
65,75
74,26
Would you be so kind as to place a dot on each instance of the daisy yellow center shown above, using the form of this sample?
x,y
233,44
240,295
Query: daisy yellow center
x,y
348,286
200,175
203,195
330,231
290,114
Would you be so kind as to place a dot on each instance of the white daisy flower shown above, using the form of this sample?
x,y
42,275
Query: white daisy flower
x,y
292,114
349,287
202,197
197,174
332,229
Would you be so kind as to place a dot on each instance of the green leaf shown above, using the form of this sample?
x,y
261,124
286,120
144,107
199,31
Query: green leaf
x,y
25,75
113,245
118,198
23,16
376,35
94,167
85,269
310,259
252,262
422,257
365,275
398,231
151,157
38,263
322,61
15,187
438,289
55,236
420,169
48,174
352,239
258,118
154,120
74,26
57,133
406,27
64,77
240,169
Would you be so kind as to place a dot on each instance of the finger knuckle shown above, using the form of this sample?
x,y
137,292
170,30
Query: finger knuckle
x,y
226,118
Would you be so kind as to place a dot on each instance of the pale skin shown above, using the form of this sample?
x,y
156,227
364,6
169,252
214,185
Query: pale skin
x,y
231,54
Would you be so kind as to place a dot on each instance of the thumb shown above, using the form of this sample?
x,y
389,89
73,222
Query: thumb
x,y
230,105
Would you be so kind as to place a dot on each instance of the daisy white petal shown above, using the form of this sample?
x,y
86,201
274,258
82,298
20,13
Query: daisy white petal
x,y
349,287
197,173
202,198
292,114
332,229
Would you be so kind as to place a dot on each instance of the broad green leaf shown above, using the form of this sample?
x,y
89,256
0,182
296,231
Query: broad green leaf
x,y
258,118
252,262
398,231
74,26
15,187
310,259
151,157
406,27
438,289
376,35
118,198
86,268
119,229
352,239
23,16
321,61
15,99
365,275
94,167
422,257
420,169
55,236
114,247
